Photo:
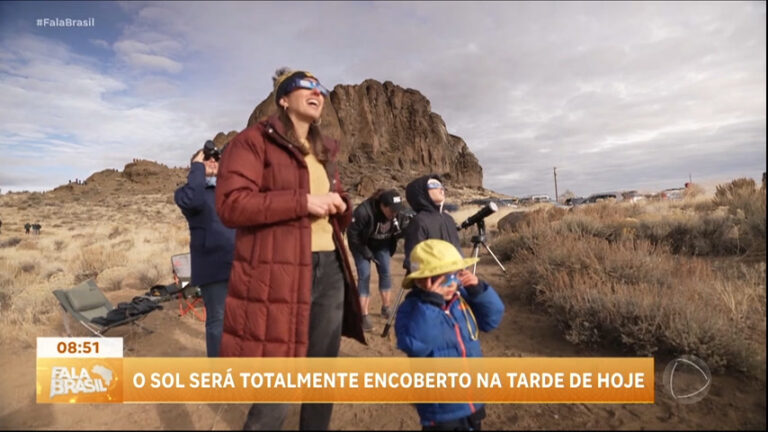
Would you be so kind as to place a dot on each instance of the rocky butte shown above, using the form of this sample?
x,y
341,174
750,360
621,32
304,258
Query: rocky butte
x,y
389,135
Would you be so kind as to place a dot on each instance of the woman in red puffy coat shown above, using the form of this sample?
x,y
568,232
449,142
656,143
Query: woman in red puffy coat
x,y
291,291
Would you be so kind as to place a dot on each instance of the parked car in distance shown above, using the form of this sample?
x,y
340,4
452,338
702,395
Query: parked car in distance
x,y
673,194
604,196
533,199
480,202
632,196
574,201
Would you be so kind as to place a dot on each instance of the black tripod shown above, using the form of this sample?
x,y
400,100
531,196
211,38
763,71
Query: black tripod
x,y
478,240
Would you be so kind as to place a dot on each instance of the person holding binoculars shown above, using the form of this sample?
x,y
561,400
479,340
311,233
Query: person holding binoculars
x,y
211,244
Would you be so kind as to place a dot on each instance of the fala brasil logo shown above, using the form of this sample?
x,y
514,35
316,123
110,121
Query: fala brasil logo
x,y
66,380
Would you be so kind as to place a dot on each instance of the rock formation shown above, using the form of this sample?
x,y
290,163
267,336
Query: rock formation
x,y
389,136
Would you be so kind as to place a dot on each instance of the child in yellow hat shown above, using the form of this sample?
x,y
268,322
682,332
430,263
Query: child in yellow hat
x,y
441,317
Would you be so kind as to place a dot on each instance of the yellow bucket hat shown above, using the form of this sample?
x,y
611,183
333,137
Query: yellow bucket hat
x,y
434,257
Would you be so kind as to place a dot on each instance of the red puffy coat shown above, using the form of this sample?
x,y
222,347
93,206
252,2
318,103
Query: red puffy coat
x,y
261,190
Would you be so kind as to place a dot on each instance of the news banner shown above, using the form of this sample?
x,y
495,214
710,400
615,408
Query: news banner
x,y
94,370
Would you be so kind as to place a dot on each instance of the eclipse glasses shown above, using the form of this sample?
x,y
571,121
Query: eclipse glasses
x,y
304,83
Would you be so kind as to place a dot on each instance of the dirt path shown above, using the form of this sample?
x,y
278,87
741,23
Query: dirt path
x,y
732,403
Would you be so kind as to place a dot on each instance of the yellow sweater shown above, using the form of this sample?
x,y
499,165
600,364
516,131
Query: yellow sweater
x,y
322,232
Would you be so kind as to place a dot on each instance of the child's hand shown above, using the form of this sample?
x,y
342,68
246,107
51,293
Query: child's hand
x,y
467,278
436,285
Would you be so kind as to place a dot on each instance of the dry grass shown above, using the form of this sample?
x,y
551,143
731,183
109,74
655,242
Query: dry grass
x,y
124,243
654,278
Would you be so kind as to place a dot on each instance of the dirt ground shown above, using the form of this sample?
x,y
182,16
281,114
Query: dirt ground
x,y
733,402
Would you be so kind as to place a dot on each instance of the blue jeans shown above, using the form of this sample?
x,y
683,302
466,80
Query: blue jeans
x,y
214,296
364,271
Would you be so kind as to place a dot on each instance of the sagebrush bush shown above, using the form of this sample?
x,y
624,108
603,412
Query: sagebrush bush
x,y
621,284
693,190
9,242
746,203
92,260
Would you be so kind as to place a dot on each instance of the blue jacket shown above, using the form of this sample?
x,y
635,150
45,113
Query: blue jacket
x,y
211,244
424,329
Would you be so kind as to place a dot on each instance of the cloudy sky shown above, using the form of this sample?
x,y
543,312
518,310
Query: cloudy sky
x,y
616,95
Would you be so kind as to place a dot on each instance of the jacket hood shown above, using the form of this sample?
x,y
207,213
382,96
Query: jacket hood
x,y
417,195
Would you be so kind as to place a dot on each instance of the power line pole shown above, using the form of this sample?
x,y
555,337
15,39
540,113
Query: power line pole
x,y
554,172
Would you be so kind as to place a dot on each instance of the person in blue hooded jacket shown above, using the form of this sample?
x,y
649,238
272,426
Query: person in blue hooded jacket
x,y
426,196
211,244
442,316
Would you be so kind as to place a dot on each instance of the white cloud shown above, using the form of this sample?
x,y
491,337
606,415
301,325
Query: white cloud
x,y
101,43
597,89
148,55
58,114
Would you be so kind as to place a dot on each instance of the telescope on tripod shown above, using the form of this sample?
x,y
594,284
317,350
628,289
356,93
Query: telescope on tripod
x,y
478,219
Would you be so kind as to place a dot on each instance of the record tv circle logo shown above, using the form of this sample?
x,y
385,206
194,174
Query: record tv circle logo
x,y
687,379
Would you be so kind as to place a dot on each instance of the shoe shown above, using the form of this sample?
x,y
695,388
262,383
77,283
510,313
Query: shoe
x,y
386,312
367,326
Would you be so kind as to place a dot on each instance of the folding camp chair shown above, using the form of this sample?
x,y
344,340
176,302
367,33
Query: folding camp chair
x,y
85,302
189,296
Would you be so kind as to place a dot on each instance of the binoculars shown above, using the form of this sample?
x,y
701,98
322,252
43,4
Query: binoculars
x,y
210,151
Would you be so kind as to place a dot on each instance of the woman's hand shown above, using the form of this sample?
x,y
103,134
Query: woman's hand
x,y
325,204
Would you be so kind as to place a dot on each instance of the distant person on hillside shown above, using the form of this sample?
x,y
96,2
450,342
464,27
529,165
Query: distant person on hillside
x,y
211,244
377,225
442,316
36,228
426,196
27,226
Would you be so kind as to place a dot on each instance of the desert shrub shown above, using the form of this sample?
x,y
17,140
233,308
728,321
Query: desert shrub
x,y
701,235
124,245
5,300
693,190
694,227
746,203
92,260
51,272
635,293
150,273
10,242
28,244
584,225
700,205
605,211
115,232
28,267
735,195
